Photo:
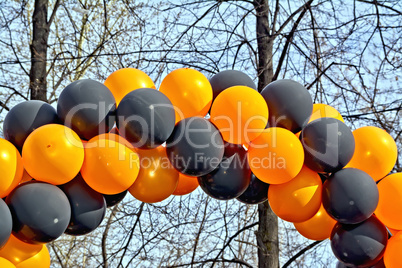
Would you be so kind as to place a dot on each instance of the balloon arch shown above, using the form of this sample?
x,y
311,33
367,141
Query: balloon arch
x,y
61,168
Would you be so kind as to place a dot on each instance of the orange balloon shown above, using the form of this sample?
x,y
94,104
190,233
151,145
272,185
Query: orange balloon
x,y
319,227
40,260
102,139
123,81
25,177
186,185
157,179
110,167
4,263
389,208
299,199
11,167
189,91
392,255
375,152
321,110
276,156
17,251
393,231
240,113
53,153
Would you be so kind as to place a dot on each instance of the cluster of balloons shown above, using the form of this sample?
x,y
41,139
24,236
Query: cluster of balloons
x,y
61,168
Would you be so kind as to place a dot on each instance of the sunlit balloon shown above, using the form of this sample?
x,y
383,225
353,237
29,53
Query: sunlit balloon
x,y
299,199
321,110
110,167
375,152
39,260
18,251
4,263
125,80
53,153
240,113
276,156
11,167
389,209
318,227
186,185
392,256
157,179
189,91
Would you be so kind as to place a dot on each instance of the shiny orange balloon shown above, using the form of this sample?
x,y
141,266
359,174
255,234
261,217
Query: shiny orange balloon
x,y
189,91
392,255
11,167
299,199
319,227
321,110
186,185
4,263
123,81
53,153
276,156
102,139
110,167
17,251
157,179
389,208
375,152
240,113
40,260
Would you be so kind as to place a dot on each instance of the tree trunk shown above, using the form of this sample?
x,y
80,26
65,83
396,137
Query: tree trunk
x,y
37,75
264,44
267,234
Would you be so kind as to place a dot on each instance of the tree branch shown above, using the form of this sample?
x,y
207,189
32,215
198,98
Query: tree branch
x,y
56,6
289,38
381,5
301,252
131,234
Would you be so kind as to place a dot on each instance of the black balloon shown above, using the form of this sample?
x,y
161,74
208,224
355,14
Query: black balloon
x,y
360,245
195,147
6,223
229,78
231,178
41,212
88,107
24,118
256,192
350,195
88,207
289,104
146,118
114,199
323,177
379,264
328,145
